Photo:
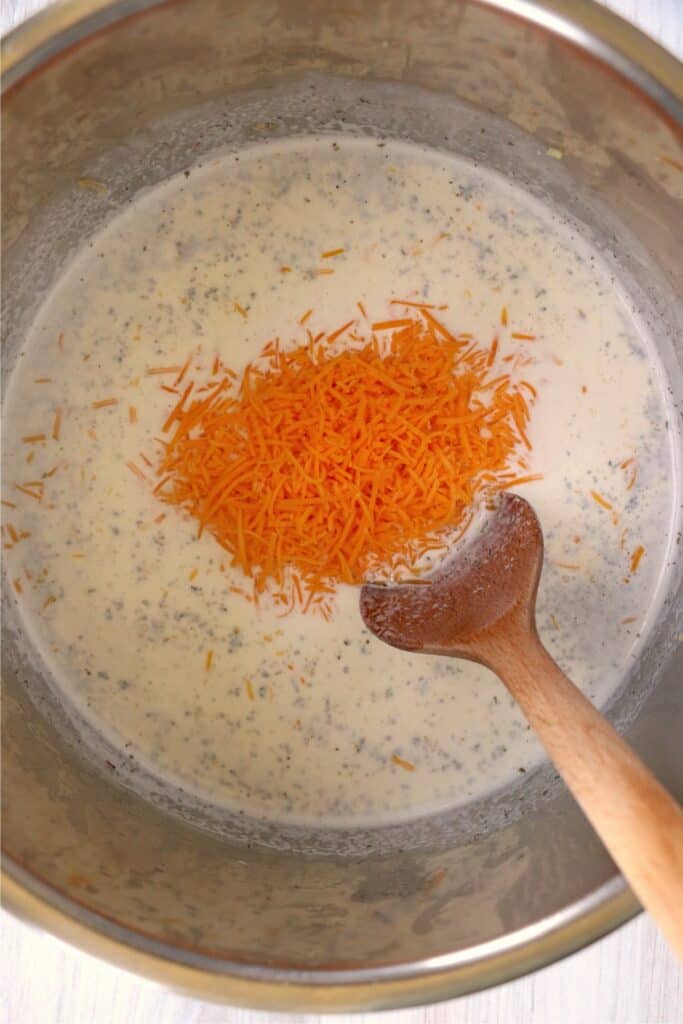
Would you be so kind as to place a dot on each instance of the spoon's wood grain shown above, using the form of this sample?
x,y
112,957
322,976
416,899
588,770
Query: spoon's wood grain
x,y
481,606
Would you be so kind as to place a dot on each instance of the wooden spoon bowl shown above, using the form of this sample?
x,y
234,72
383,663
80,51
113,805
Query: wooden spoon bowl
x,y
492,579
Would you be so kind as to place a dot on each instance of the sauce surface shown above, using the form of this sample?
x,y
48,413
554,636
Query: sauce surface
x,y
295,718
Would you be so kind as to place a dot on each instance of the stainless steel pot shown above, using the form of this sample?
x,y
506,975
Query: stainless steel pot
x,y
124,94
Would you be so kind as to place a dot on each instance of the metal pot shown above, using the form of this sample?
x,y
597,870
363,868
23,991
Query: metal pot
x,y
128,93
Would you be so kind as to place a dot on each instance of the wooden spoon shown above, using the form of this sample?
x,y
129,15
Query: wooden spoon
x,y
481,605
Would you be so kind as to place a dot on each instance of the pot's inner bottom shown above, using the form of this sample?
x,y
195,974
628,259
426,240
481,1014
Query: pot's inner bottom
x,y
144,627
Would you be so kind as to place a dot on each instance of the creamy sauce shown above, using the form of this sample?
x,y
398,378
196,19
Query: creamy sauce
x,y
299,719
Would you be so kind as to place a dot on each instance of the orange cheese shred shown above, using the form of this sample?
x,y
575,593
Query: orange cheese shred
x,y
155,371
401,762
136,470
29,492
636,557
603,502
57,425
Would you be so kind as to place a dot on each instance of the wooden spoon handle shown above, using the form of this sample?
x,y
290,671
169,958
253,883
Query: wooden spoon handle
x,y
637,819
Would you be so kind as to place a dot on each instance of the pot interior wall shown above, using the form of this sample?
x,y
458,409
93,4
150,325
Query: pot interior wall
x,y
148,97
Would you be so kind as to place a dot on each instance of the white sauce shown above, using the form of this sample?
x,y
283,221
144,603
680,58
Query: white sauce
x,y
127,633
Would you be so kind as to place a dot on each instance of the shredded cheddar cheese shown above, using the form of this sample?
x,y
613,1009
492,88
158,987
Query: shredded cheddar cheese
x,y
636,557
401,762
325,464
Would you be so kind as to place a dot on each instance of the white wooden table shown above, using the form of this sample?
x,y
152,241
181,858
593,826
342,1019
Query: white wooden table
x,y
628,978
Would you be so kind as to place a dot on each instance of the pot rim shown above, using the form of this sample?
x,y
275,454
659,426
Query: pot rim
x,y
315,991
658,75
584,23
